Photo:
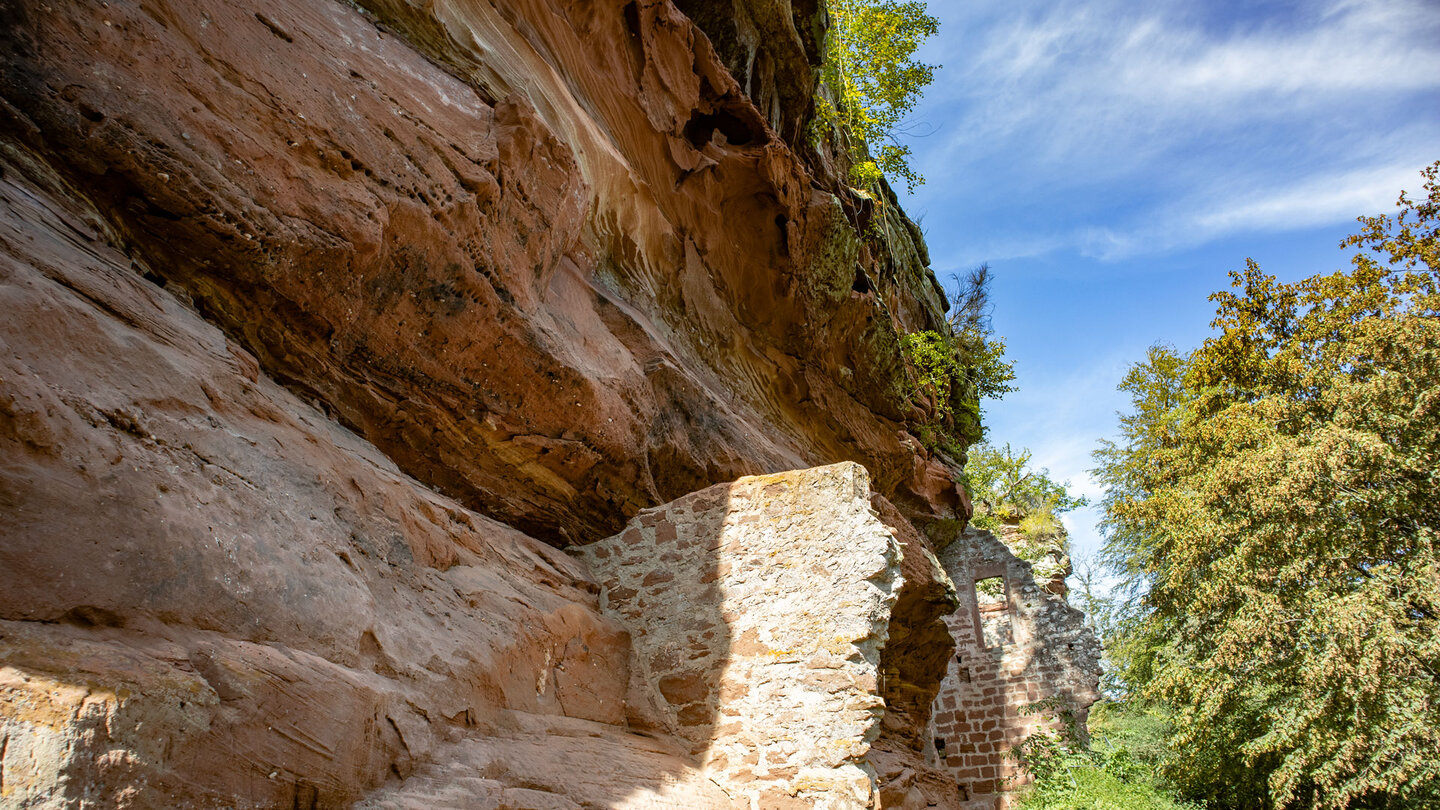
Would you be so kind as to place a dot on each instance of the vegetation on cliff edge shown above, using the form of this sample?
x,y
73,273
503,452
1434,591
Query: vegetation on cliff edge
x,y
955,368
872,82
1007,491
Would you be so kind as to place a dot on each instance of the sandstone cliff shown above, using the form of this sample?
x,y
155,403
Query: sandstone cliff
x,y
341,343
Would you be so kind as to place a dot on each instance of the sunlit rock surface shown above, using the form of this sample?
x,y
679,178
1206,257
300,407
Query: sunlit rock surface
x,y
325,326
1021,653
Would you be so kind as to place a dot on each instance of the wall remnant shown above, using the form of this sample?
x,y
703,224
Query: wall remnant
x,y
757,611
1016,643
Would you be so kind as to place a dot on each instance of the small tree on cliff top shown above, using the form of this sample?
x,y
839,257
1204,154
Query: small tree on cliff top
x,y
957,368
870,68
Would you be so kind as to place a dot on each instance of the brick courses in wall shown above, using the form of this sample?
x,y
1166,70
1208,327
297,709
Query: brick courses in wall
x,y
1015,643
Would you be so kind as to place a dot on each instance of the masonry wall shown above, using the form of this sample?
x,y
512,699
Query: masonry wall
x,y
757,611
1011,650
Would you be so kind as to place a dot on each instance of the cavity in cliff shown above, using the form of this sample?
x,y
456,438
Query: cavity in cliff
x,y
328,328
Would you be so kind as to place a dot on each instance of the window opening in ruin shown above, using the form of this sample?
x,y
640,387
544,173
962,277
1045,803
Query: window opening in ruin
x,y
992,598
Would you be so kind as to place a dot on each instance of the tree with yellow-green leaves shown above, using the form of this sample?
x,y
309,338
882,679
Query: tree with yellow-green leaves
x,y
1274,499
874,80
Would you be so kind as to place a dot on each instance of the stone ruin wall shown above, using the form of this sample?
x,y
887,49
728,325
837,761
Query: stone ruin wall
x,y
759,609
1010,652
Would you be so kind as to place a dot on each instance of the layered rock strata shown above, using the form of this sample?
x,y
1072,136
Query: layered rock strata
x,y
216,596
212,595
547,257
325,325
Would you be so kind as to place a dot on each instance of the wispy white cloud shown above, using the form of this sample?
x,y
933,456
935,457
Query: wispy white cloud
x,y
1117,127
1311,202
1129,130
1067,72
1246,205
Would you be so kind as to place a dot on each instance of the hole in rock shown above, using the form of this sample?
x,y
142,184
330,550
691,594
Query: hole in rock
x,y
632,19
862,282
702,126
274,27
91,616
635,42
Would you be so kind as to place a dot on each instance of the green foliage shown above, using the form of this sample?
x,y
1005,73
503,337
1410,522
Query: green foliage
x,y
1106,776
985,373
1041,526
1274,502
986,370
869,67
936,359
1001,481
956,369
991,587
1113,616
1085,783
1005,490
1133,735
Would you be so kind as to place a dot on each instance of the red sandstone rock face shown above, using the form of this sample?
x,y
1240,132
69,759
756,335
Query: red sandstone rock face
x,y
546,264
587,279
915,659
210,593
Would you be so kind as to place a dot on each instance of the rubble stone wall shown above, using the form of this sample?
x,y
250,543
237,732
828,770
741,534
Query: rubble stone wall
x,y
757,611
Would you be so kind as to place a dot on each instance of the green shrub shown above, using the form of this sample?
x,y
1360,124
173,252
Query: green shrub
x,y
1041,526
956,368
1002,483
1083,784
1108,775
874,81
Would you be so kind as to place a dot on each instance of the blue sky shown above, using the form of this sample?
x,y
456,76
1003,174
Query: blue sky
x,y
1113,159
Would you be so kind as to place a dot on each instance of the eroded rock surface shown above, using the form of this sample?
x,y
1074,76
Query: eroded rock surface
x,y
325,325
209,590
915,659
582,278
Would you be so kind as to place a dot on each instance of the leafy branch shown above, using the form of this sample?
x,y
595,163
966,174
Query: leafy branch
x,y
874,81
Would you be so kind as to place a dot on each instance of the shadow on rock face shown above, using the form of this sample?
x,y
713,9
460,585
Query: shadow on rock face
x,y
218,591
1014,646
547,257
213,596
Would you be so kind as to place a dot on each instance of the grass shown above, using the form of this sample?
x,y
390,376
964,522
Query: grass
x,y
1119,771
